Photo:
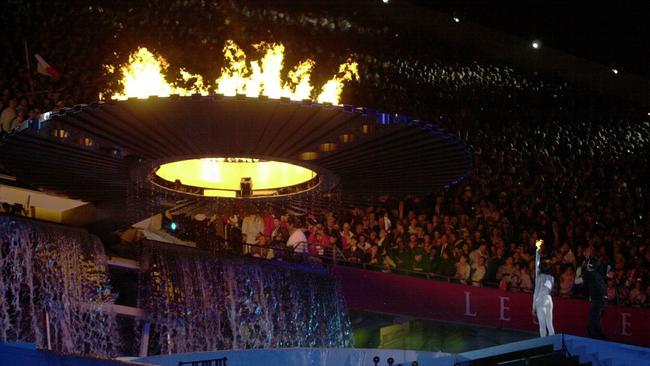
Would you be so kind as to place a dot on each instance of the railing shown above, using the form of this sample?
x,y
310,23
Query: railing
x,y
212,362
390,361
332,256
336,257
266,252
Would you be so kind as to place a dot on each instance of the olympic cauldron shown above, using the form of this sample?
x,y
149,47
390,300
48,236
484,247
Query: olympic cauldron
x,y
96,152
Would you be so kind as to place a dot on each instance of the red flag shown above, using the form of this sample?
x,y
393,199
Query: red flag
x,y
45,68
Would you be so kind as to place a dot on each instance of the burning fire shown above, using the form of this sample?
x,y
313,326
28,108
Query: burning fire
x,y
334,87
143,76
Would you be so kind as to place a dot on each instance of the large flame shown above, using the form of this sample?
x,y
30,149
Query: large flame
x,y
143,76
265,77
334,87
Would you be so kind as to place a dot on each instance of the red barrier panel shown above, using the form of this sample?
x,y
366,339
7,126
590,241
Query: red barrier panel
x,y
403,295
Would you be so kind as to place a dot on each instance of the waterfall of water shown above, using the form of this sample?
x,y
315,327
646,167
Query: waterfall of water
x,y
197,302
50,271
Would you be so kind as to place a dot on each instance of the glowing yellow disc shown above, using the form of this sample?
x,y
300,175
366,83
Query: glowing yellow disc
x,y
222,177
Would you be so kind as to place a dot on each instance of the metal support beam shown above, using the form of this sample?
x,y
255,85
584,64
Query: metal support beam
x,y
124,263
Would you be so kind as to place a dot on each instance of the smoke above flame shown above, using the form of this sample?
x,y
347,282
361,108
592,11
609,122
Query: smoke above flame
x,y
144,76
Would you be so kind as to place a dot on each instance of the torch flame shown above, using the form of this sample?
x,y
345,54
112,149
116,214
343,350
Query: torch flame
x,y
144,76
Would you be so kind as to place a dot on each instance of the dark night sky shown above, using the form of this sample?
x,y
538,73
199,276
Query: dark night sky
x,y
611,33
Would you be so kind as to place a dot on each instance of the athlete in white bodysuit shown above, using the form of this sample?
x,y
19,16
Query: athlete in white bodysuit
x,y
542,301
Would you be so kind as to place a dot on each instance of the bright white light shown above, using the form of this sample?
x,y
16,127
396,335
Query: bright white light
x,y
456,20
385,1
536,44
615,71
210,170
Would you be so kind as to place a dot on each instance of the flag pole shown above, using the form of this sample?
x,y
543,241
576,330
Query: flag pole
x,y
29,70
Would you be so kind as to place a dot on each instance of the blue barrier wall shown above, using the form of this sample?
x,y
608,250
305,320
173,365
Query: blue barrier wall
x,y
309,357
26,354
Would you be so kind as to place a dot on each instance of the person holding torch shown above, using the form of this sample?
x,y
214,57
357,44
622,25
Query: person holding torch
x,y
542,301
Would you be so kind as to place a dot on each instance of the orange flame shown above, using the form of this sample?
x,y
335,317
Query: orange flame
x,y
334,87
143,76
264,77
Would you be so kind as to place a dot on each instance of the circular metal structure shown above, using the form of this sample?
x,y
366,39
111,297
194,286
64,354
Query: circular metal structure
x,y
235,177
305,179
95,152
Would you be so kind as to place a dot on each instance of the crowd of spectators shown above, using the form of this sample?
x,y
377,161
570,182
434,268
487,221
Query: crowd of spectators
x,y
551,160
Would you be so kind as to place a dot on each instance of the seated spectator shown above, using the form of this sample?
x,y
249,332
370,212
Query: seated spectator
x,y
420,262
525,281
505,269
353,253
494,262
514,282
463,270
346,234
378,257
637,295
255,250
504,284
447,267
6,208
479,252
375,258
567,254
383,240
297,239
8,115
364,244
20,117
478,272
318,241
611,291
567,281
433,258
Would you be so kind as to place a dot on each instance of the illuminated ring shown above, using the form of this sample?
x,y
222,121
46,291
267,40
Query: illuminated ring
x,y
96,152
324,181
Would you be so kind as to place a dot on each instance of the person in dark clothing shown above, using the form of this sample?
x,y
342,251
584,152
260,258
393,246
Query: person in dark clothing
x,y
597,285
447,266
420,262
354,253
